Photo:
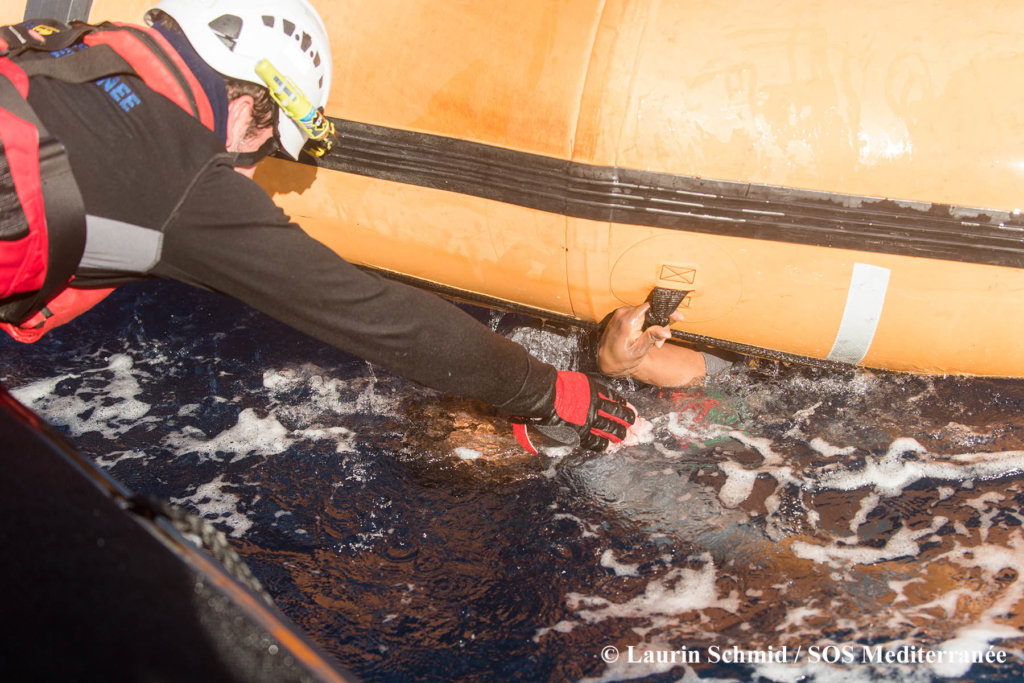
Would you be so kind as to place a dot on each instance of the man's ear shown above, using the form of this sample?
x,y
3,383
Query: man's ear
x,y
239,120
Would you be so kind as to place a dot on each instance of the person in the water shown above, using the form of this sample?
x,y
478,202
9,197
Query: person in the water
x,y
167,190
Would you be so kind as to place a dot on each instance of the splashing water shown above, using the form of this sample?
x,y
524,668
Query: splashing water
x,y
860,516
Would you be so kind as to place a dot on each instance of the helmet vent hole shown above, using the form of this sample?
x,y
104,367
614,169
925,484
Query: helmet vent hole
x,y
316,59
306,41
289,27
227,27
268,21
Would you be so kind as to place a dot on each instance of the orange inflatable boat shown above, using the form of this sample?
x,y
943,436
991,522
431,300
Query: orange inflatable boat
x,y
830,183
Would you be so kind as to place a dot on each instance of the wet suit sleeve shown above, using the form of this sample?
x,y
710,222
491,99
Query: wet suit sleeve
x,y
228,236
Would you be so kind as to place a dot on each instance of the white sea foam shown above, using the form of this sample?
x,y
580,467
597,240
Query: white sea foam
x,y
948,602
894,472
796,617
986,504
898,587
739,483
556,451
620,568
685,425
106,403
799,418
867,504
680,591
344,437
762,446
667,453
108,460
903,543
251,435
33,395
214,503
281,380
468,453
820,672
561,627
828,450
905,463
327,395
993,560
188,409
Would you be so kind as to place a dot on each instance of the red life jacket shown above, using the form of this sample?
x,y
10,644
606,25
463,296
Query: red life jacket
x,y
42,217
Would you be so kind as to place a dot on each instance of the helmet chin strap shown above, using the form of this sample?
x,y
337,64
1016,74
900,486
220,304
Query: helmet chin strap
x,y
246,159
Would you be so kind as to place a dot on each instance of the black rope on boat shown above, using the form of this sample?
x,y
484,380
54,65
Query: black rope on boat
x,y
203,534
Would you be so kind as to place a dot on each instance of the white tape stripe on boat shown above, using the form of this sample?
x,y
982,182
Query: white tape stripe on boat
x,y
864,304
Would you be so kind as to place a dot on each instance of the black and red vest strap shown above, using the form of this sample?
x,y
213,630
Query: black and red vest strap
x,y
63,210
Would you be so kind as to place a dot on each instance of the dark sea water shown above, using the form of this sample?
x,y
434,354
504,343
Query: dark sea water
x,y
841,516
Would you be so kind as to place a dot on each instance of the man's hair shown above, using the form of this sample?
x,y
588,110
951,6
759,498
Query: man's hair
x,y
263,106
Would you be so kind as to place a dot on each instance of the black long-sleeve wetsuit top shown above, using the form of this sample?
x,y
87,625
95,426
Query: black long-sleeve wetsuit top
x,y
163,201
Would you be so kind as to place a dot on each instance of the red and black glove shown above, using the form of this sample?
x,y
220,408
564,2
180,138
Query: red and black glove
x,y
584,413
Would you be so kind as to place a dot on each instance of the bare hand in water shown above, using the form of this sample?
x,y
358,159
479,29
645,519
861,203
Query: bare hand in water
x,y
624,343
627,350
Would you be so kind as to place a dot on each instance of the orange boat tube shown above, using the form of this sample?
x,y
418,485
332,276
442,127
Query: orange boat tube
x,y
832,184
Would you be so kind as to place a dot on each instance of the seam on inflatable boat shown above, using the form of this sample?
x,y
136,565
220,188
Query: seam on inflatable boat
x,y
586,79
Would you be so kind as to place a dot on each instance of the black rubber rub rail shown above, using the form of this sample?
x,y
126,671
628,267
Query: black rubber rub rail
x,y
674,202
562,319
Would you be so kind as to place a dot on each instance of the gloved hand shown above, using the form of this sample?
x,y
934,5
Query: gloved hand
x,y
584,413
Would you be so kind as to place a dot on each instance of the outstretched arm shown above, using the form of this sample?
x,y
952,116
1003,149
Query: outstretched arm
x,y
246,247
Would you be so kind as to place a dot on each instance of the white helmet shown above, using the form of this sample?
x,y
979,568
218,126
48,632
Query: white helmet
x,y
234,36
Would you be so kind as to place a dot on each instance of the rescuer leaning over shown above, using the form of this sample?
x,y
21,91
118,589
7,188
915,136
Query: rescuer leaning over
x,y
162,127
